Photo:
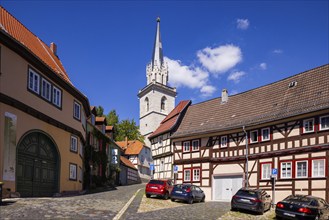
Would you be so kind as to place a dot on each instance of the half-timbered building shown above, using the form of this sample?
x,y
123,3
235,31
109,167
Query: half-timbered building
x,y
162,149
233,141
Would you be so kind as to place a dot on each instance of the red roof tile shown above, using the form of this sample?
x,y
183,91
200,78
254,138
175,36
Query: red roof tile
x,y
275,101
134,147
127,162
172,118
11,26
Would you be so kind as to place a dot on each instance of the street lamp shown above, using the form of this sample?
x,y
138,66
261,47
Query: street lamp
x,y
246,167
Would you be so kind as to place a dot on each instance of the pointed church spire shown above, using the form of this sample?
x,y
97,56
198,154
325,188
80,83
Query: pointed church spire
x,y
157,58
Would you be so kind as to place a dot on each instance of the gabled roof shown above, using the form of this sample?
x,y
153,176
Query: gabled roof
x,y
272,102
11,26
131,147
172,119
127,163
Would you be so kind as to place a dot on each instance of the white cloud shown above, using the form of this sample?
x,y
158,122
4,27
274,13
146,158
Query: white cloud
x,y
219,59
189,76
242,24
277,51
236,76
263,66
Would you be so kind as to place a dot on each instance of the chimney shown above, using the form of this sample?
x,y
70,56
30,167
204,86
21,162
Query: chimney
x,y
126,140
53,48
224,96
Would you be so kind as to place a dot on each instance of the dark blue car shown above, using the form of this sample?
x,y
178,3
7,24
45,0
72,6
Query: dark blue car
x,y
188,193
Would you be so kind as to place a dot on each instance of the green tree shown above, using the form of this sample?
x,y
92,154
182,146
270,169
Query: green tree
x,y
128,128
100,111
112,118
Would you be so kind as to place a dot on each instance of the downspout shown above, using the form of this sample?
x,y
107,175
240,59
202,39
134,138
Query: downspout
x,y
246,166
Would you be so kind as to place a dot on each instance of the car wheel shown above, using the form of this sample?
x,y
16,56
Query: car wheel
x,y
166,196
233,209
190,200
203,198
261,212
148,195
173,200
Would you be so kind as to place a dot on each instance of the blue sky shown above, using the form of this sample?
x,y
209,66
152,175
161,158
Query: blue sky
x,y
209,45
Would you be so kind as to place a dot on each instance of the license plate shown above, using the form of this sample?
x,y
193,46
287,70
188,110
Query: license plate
x,y
244,200
154,187
178,192
289,214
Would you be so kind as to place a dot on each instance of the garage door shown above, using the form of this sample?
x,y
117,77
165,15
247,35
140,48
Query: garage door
x,y
224,187
37,166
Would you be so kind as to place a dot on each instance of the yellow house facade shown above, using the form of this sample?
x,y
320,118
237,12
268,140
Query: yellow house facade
x,y
42,116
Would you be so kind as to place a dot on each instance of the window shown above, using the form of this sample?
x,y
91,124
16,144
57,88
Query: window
x,y
163,103
308,125
187,175
34,81
160,141
73,171
46,89
196,174
318,168
286,169
76,110
161,165
265,134
195,145
57,96
324,122
147,105
223,141
186,146
253,136
74,144
301,169
266,171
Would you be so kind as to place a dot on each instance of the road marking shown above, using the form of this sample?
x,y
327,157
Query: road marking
x,y
120,213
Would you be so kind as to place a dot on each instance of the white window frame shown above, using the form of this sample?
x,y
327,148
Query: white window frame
x,y
197,147
57,96
324,128
267,174
46,89
73,172
77,110
34,81
306,125
223,141
269,135
282,171
251,140
196,174
161,165
302,161
74,144
185,147
318,174
185,171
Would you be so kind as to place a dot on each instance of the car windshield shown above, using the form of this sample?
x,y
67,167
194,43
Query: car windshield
x,y
247,193
158,182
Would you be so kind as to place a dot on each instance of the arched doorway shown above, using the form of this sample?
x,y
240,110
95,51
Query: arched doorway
x,y
37,165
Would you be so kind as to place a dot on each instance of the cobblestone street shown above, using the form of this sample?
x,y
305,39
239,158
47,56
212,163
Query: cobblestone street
x,y
107,205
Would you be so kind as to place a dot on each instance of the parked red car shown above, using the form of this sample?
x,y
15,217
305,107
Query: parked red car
x,y
159,187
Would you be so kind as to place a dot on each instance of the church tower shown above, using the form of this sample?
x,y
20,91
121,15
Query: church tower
x,y
156,99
